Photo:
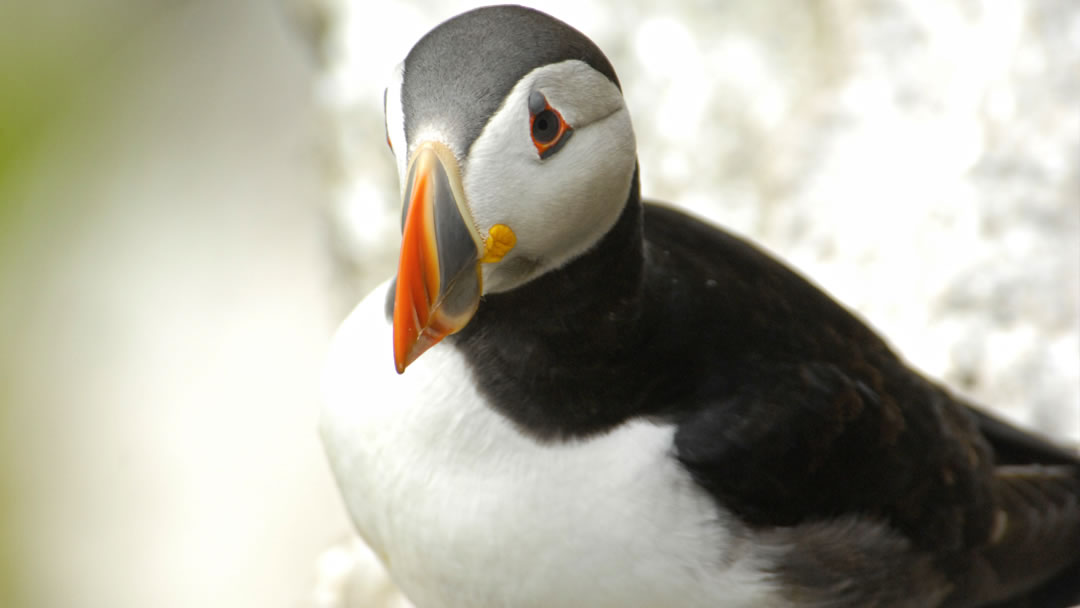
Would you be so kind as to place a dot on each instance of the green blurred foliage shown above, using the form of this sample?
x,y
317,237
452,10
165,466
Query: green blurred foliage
x,y
49,51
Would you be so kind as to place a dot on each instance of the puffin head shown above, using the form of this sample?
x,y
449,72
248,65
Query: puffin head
x,y
515,154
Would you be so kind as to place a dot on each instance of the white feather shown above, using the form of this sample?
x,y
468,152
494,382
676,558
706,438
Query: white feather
x,y
467,512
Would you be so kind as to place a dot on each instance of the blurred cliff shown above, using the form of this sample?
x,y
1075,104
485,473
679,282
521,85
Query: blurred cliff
x,y
163,307
192,194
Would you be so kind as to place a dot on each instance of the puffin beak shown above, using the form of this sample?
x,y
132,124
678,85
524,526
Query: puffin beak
x,y
438,281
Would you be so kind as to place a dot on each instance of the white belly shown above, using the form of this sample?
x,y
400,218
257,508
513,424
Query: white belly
x,y
465,511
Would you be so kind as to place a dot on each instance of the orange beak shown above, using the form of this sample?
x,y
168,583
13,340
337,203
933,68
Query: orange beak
x,y
438,282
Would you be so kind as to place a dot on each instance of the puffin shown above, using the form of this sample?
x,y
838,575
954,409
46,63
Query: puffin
x,y
570,397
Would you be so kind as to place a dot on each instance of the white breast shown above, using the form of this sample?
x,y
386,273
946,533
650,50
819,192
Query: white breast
x,y
465,511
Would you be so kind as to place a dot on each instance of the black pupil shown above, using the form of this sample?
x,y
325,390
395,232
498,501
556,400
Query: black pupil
x,y
545,127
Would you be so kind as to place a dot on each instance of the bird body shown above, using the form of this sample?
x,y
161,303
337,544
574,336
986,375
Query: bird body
x,y
620,405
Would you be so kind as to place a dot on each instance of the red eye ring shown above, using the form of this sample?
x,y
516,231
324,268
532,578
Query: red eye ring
x,y
549,130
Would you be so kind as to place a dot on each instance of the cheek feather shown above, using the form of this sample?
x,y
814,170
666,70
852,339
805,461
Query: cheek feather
x,y
558,195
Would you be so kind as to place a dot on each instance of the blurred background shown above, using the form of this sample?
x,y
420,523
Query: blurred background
x,y
194,193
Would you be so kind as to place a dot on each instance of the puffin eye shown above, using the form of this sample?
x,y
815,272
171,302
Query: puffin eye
x,y
549,131
545,127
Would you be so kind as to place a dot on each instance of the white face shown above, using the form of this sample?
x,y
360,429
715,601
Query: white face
x,y
558,206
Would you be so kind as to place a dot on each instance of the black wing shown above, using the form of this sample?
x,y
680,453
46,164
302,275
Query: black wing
x,y
808,417
1015,446
814,443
